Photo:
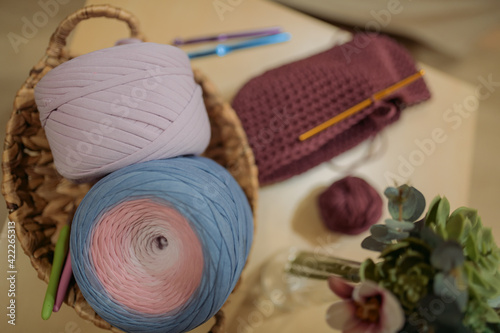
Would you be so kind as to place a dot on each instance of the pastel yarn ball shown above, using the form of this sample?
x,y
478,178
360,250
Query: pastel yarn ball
x,y
119,106
159,246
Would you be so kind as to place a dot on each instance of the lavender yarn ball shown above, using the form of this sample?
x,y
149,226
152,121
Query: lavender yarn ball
x,y
125,41
350,206
119,106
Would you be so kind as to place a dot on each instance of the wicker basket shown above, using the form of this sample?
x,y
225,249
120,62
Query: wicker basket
x,y
41,201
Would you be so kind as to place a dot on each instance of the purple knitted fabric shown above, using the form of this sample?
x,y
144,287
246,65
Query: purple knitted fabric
x,y
119,106
350,206
279,105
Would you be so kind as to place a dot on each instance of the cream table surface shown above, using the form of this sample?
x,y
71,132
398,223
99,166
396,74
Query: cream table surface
x,y
287,214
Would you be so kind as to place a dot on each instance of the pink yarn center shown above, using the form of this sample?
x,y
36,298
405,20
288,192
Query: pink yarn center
x,y
147,256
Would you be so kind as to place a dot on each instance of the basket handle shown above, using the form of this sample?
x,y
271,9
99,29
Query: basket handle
x,y
58,39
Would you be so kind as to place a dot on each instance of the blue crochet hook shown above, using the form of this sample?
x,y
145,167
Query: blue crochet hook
x,y
223,37
223,49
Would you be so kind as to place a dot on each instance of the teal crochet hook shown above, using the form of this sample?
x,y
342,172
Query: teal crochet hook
x,y
223,49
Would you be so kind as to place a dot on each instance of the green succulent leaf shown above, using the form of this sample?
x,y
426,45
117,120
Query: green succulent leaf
x,y
479,240
405,203
424,269
460,223
367,270
396,225
408,260
470,213
455,226
488,263
487,240
379,230
391,193
477,225
443,211
485,285
478,315
395,250
471,249
415,205
479,311
466,231
419,245
493,283
385,235
430,217
385,271
370,243
440,229
395,202
491,316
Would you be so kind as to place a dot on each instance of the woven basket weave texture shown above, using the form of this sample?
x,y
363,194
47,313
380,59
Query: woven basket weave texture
x,y
41,201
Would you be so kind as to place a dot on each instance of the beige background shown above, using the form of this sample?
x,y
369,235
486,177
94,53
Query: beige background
x,y
481,61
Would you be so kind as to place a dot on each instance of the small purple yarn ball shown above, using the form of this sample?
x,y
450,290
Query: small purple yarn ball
x,y
350,206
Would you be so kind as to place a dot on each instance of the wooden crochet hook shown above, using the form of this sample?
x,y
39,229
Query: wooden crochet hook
x,y
360,106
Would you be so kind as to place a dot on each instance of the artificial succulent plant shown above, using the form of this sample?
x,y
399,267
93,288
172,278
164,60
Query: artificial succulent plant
x,y
441,268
